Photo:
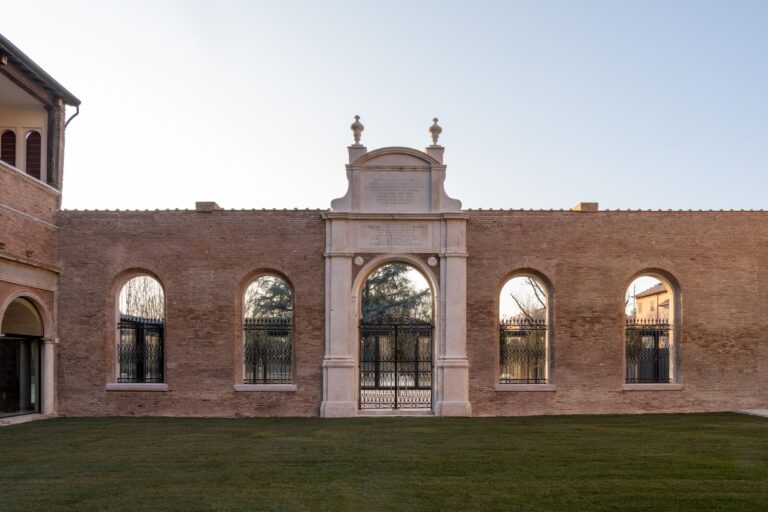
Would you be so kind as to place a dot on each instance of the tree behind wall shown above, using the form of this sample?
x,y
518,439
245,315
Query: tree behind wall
x,y
143,296
268,297
530,298
390,291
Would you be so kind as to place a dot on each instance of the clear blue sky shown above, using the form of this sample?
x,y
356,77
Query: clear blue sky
x,y
641,104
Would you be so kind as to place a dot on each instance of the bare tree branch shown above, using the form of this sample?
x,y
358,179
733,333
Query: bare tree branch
x,y
520,306
537,292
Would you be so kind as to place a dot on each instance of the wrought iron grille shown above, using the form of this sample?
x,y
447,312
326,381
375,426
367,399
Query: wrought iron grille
x,y
395,364
647,347
523,351
268,350
140,349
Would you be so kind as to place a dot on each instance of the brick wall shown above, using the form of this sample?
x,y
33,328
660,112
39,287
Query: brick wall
x,y
204,261
27,217
719,259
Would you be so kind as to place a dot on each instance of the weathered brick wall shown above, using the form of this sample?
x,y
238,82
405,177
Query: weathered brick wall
x,y
27,194
25,238
720,260
27,217
204,261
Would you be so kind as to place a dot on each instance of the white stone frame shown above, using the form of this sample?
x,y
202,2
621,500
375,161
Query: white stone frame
x,y
395,209
362,276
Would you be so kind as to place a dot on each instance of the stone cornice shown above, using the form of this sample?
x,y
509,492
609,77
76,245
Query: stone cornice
x,y
394,216
4,255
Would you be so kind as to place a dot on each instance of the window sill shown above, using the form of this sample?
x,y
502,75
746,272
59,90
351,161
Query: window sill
x,y
652,387
265,387
526,387
136,387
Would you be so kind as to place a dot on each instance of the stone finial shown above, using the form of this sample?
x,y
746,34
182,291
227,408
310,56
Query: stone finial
x,y
435,130
357,130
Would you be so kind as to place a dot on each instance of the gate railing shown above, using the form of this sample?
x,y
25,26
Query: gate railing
x,y
268,350
140,349
523,351
647,351
395,363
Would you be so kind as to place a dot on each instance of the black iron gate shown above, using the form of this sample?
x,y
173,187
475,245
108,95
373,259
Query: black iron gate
x,y
395,364
648,353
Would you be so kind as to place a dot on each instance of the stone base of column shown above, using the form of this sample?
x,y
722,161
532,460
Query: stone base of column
x,y
339,388
453,409
453,387
338,409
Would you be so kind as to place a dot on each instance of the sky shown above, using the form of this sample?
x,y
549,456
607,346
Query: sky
x,y
543,104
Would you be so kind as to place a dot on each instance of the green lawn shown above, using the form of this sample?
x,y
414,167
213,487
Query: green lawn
x,y
694,462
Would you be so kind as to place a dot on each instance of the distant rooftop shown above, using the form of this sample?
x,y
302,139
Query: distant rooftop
x,y
653,290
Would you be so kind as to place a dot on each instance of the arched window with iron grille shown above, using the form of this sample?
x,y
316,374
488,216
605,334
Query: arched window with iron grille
x,y
268,331
141,331
649,331
34,153
8,147
524,331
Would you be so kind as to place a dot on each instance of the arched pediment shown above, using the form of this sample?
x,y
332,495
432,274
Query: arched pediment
x,y
395,180
395,156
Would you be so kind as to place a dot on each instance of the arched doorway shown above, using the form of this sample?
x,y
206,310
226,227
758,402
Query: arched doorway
x,y
396,328
21,332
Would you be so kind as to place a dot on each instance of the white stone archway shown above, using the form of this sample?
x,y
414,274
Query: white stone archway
x,y
395,209
363,274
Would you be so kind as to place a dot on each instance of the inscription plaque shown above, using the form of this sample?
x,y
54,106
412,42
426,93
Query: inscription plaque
x,y
396,191
400,236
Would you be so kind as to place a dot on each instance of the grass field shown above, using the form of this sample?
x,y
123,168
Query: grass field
x,y
695,462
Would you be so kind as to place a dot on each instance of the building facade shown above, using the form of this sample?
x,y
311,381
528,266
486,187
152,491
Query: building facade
x,y
315,312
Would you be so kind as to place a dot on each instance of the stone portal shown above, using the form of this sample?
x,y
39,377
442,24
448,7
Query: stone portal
x,y
395,211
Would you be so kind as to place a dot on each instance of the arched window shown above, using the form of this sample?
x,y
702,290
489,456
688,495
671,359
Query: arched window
x,y
20,332
649,331
268,331
34,153
523,331
8,147
141,331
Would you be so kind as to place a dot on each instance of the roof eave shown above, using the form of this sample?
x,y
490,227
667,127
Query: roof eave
x,y
11,49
